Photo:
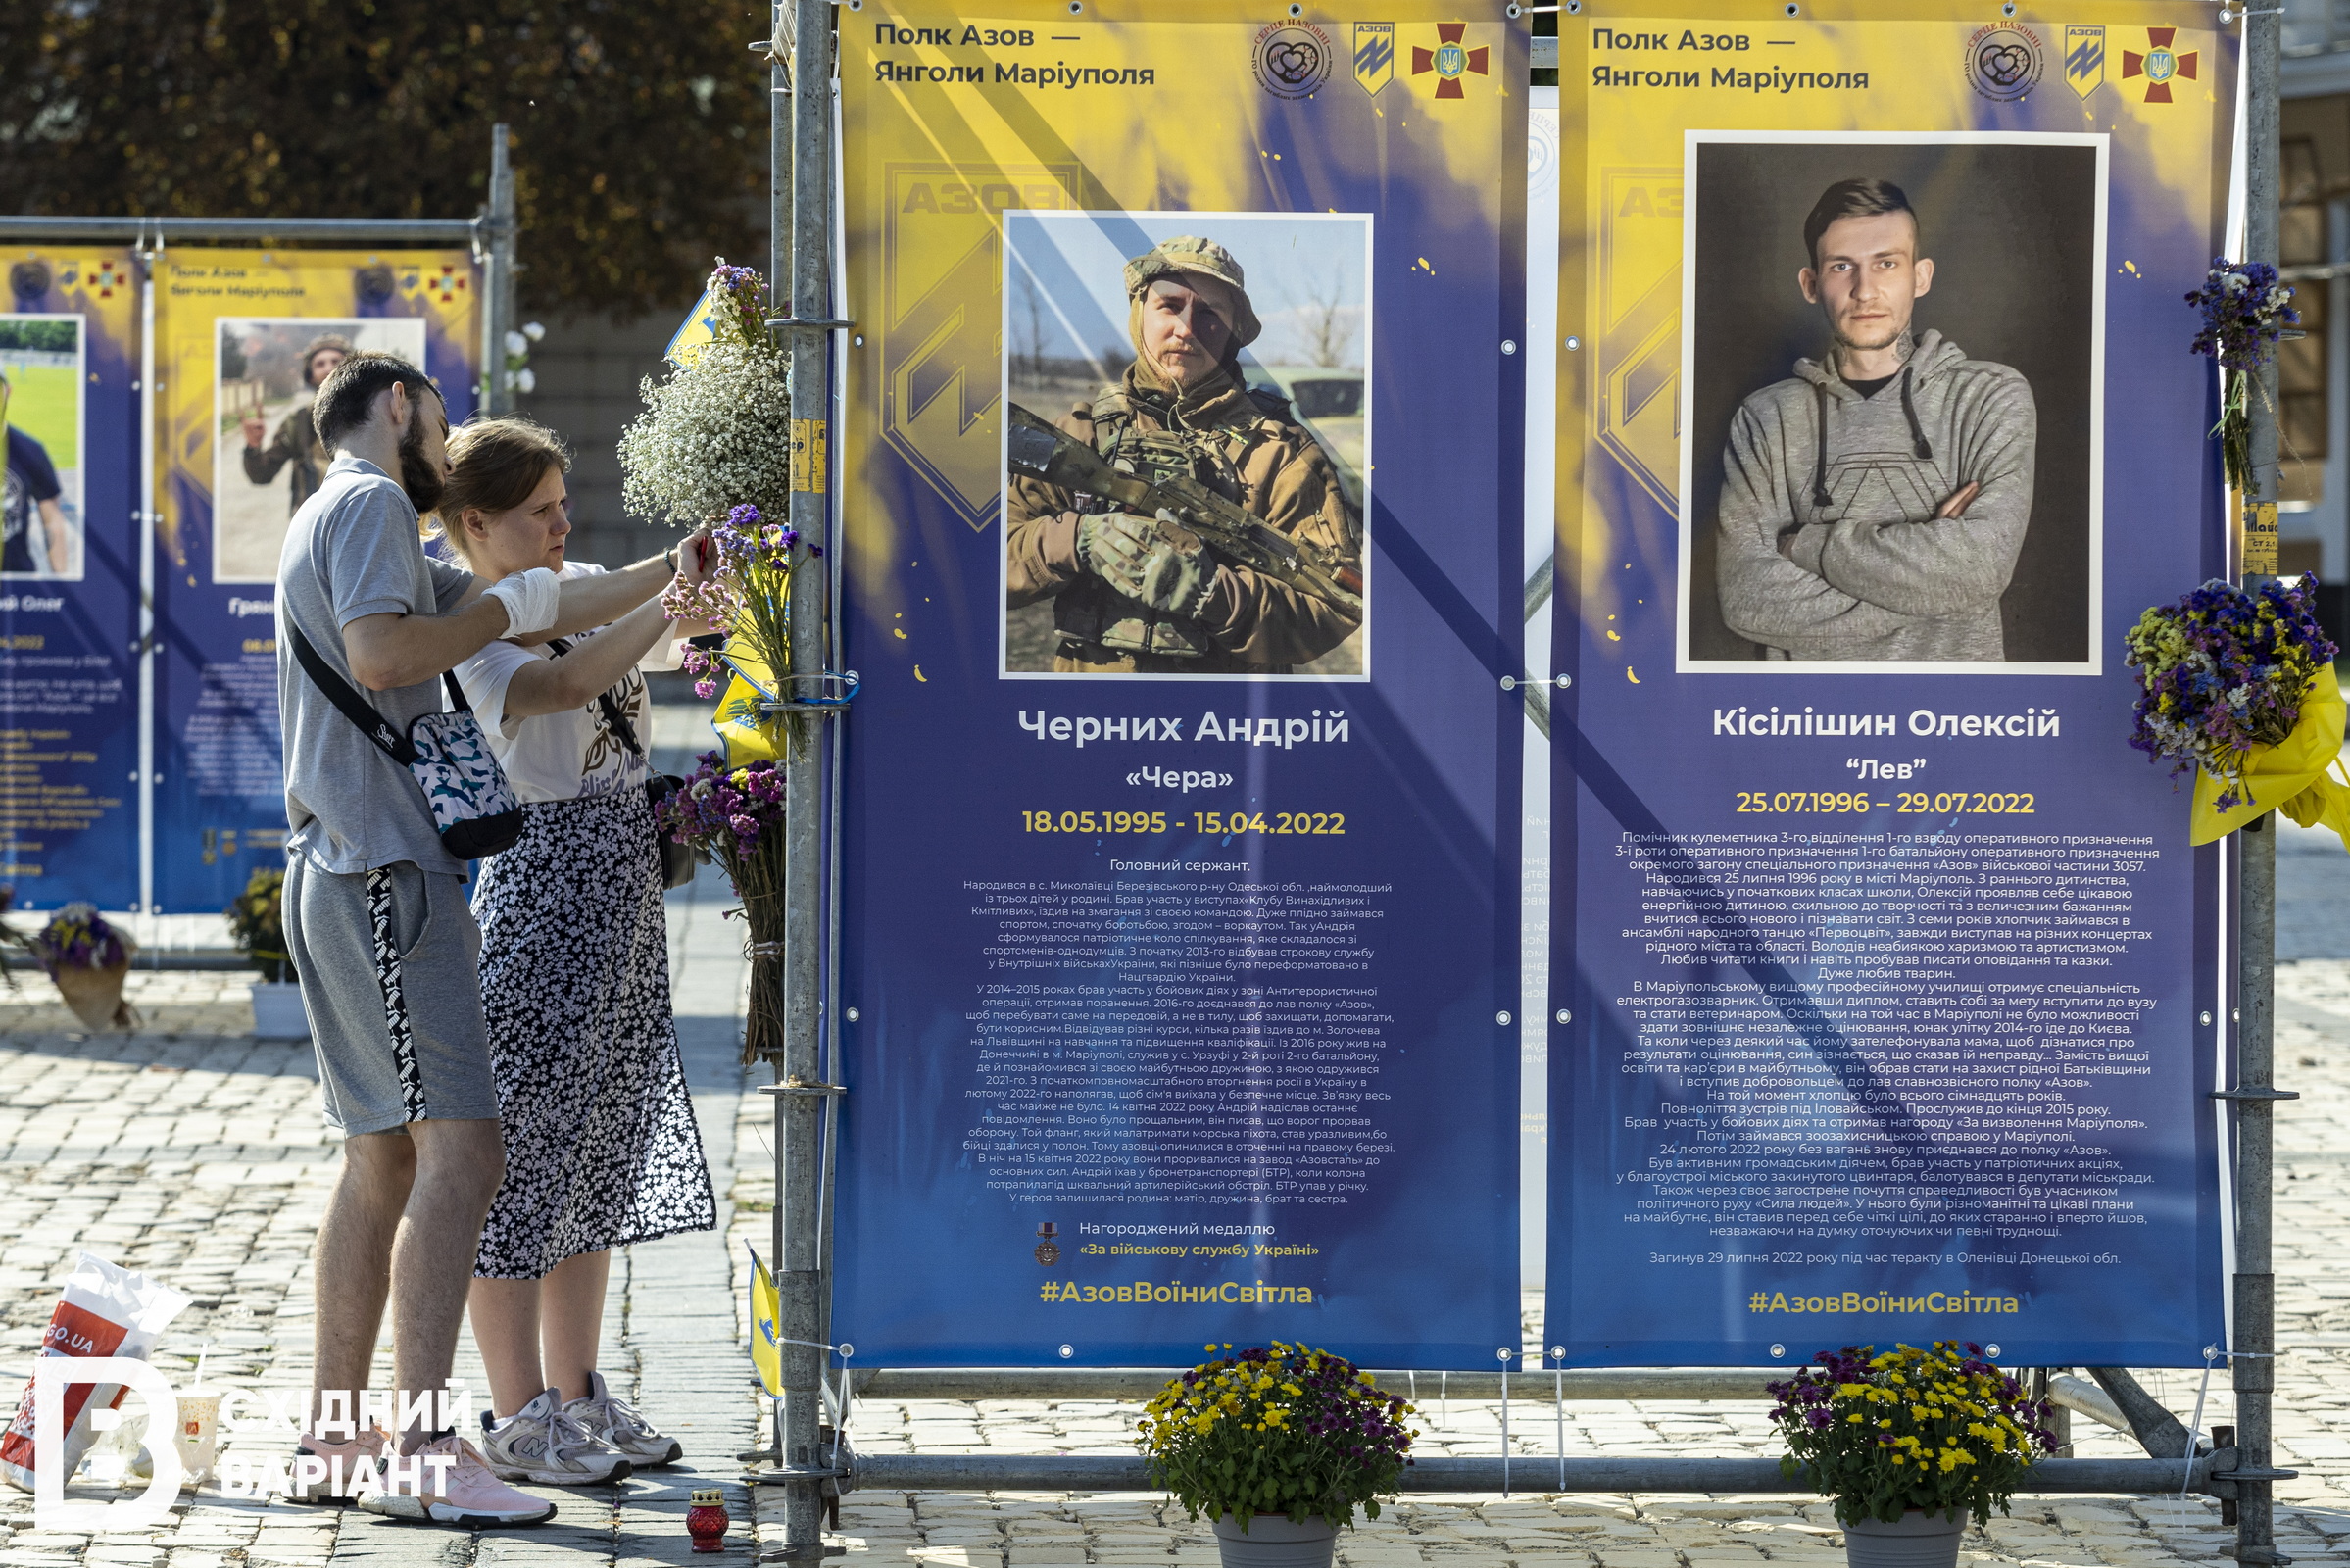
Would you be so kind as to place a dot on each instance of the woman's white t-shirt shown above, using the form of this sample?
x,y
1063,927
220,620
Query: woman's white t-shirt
x,y
565,756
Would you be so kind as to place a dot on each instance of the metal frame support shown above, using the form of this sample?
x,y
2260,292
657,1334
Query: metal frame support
x,y
494,248
2254,1328
799,130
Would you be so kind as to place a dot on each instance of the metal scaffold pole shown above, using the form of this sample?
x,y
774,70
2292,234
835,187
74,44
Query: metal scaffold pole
x,y
801,131
495,248
2254,1332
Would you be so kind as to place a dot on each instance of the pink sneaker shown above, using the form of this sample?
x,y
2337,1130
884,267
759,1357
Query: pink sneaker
x,y
461,1492
342,1464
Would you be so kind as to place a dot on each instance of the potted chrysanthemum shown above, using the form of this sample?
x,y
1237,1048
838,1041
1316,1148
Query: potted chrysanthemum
x,y
1278,1445
1908,1445
257,925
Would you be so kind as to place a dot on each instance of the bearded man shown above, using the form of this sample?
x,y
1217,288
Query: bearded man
x,y
1128,600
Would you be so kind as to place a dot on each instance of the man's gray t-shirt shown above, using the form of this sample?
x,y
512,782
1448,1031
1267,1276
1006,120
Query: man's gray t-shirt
x,y
353,550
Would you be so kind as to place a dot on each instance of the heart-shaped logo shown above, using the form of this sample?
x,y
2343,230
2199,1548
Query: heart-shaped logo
x,y
1293,60
2005,65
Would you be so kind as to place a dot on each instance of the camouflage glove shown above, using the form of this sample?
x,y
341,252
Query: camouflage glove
x,y
1134,557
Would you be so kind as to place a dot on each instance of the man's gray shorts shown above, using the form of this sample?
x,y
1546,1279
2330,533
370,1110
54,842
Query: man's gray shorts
x,y
390,968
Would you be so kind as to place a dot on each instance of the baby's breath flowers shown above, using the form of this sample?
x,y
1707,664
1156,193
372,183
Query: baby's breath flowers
x,y
1283,1429
1937,1429
2224,670
715,433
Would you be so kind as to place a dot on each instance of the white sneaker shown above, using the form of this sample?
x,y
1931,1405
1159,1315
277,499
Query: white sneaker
x,y
617,1423
460,1492
542,1443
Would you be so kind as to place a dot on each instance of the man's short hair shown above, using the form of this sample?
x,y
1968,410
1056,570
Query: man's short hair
x,y
1853,198
343,403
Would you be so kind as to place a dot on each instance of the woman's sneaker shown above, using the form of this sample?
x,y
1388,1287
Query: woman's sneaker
x,y
617,1423
461,1492
541,1443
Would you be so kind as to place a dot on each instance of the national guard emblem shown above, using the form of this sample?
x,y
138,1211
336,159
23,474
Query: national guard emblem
x,y
2159,65
2084,59
1374,54
1449,59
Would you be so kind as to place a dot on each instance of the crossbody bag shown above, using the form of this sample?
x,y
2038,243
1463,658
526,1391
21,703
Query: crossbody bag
x,y
446,753
678,861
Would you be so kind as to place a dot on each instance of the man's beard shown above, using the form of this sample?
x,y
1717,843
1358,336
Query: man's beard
x,y
423,482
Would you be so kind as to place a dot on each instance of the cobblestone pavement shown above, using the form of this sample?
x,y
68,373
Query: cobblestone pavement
x,y
194,1152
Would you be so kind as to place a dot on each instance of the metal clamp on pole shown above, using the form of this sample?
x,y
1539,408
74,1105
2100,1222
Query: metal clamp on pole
x,y
793,320
2255,1093
844,683
803,1089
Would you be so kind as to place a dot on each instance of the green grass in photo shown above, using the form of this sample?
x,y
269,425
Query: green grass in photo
x,y
44,401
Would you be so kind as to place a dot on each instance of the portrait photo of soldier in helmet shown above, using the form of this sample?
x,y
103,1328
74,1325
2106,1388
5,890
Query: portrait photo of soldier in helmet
x,y
268,461
1892,441
1186,448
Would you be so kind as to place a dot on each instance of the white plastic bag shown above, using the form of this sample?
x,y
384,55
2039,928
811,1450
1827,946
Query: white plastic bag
x,y
106,1311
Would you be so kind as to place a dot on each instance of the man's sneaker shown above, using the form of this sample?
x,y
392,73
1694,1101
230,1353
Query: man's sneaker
x,y
541,1443
617,1423
342,1466
461,1492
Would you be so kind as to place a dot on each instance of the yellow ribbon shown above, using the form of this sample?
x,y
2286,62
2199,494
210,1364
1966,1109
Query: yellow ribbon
x,y
2293,776
749,736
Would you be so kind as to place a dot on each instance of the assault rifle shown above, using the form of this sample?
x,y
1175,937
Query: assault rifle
x,y
1037,449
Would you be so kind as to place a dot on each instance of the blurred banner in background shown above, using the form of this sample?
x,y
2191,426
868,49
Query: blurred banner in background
x,y
238,339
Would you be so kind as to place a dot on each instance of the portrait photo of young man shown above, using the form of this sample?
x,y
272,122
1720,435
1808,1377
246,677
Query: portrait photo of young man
x,y
1891,496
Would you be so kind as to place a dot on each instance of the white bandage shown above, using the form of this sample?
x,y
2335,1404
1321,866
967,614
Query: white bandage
x,y
530,599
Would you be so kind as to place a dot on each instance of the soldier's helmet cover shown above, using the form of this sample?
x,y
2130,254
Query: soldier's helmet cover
x,y
1189,255
319,345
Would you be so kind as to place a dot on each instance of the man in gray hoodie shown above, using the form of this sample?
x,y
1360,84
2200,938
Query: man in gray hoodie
x,y
1872,505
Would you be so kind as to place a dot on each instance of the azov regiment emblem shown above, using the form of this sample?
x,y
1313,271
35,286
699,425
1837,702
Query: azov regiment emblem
x,y
1374,54
2084,59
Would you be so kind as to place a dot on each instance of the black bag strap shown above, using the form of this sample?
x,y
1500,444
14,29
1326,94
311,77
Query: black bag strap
x,y
614,716
356,707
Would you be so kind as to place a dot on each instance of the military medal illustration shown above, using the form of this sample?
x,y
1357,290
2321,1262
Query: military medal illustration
x,y
1048,1250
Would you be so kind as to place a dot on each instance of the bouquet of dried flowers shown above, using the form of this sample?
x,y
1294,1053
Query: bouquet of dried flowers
x,y
2224,670
748,597
257,924
90,960
1937,1429
716,433
1280,1430
735,816
2245,311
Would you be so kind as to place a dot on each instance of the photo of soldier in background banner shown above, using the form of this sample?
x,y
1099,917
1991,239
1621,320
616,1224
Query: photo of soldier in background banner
x,y
1884,970
242,340
69,578
1182,569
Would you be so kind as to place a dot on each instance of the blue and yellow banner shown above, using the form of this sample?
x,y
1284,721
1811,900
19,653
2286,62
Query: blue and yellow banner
x,y
1183,578
1885,971
242,340
70,577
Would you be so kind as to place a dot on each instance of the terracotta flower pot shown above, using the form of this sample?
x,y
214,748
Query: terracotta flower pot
x,y
1275,1541
1920,1539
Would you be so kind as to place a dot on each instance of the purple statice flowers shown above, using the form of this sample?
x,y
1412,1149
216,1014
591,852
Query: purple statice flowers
x,y
2224,670
2245,310
725,810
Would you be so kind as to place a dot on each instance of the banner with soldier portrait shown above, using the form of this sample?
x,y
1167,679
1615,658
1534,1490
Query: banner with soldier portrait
x,y
69,577
1885,978
243,338
1181,581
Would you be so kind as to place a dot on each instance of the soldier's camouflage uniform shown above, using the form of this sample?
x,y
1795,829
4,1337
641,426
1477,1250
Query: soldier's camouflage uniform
x,y
1240,443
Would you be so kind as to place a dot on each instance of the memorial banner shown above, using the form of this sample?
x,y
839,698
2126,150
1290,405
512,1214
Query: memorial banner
x,y
1891,973
1179,877
243,338
69,577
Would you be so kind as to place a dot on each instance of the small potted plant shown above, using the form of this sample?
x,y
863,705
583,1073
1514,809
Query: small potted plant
x,y
90,960
1277,1446
257,925
1908,1445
